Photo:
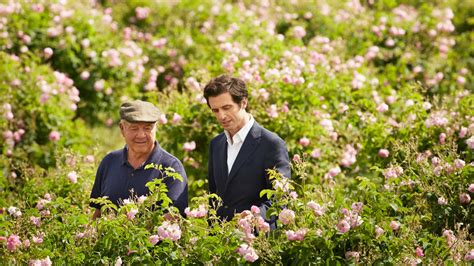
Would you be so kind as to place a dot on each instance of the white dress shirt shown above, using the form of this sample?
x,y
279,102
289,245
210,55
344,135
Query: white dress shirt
x,y
235,143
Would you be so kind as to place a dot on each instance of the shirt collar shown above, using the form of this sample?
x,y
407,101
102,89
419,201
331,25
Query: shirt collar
x,y
242,133
154,156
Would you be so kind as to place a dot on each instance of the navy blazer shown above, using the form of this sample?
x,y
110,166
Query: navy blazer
x,y
240,189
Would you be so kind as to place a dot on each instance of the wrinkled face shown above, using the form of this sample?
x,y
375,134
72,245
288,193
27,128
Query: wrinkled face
x,y
140,136
230,115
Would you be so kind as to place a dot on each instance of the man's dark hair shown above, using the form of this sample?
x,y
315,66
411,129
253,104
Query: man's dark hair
x,y
224,83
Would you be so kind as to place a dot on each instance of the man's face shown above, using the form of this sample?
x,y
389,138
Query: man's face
x,y
230,115
139,136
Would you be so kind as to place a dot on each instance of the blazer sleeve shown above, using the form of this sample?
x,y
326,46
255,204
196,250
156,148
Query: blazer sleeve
x,y
277,157
210,172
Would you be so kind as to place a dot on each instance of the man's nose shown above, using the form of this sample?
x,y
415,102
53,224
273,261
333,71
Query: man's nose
x,y
142,133
220,116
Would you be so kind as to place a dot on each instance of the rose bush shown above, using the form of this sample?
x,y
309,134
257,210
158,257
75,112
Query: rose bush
x,y
373,99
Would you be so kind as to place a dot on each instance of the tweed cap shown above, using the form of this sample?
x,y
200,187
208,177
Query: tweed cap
x,y
139,111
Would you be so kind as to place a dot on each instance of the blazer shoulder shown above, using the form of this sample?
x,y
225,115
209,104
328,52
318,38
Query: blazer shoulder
x,y
218,138
271,136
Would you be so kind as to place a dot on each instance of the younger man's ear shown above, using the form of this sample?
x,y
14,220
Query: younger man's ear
x,y
243,103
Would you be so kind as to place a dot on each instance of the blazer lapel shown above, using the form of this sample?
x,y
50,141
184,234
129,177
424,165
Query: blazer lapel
x,y
248,147
222,159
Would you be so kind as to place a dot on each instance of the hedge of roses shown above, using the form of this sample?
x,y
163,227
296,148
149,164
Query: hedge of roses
x,y
374,101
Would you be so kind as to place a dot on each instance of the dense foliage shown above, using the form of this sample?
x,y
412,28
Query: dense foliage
x,y
373,99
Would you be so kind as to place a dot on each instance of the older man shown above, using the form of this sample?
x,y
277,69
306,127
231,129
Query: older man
x,y
121,173
240,156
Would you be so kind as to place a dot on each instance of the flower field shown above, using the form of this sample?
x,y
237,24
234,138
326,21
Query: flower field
x,y
373,98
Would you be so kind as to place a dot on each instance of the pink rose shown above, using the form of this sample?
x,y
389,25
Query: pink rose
x,y
469,256
343,226
154,239
72,176
286,216
378,231
54,136
419,252
13,242
48,52
383,153
471,188
395,225
304,141
464,198
189,146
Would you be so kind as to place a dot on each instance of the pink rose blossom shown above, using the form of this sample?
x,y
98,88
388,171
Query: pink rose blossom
x,y
163,120
200,212
459,164
333,172
464,198
54,136
378,231
169,231
286,216
349,156
262,225
38,239
317,209
14,211
154,239
316,153
343,226
450,237
471,188
176,119
442,201
85,75
435,160
383,107
9,116
142,12
297,158
189,146
461,80
89,158
272,111
13,242
395,225
299,32
26,243
131,214
254,209
72,176
352,255
35,220
48,52
247,252
304,141
99,85
293,195
442,138
419,252
427,105
470,142
393,172
296,236
469,256
383,153
462,132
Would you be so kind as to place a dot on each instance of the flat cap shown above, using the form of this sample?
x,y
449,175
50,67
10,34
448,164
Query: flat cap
x,y
139,111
